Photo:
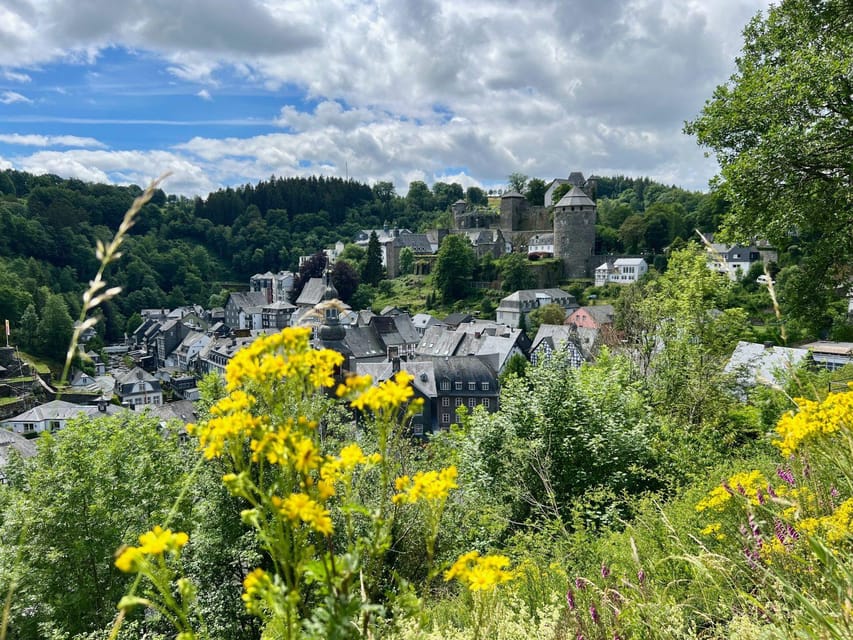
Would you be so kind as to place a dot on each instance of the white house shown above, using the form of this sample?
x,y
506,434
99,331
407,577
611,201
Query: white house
x,y
53,415
137,387
621,271
521,303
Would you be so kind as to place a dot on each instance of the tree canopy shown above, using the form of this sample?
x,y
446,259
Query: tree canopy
x,y
454,268
781,131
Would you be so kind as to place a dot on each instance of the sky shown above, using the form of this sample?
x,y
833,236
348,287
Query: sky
x,y
228,92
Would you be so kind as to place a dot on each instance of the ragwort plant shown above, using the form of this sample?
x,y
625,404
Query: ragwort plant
x,y
325,542
791,532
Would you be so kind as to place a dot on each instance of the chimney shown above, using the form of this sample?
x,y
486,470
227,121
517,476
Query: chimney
x,y
394,356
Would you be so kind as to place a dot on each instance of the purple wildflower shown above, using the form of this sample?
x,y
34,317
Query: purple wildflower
x,y
570,600
641,576
771,492
807,470
793,533
593,614
759,494
786,474
756,531
780,530
726,486
751,557
605,571
580,584
834,492
740,489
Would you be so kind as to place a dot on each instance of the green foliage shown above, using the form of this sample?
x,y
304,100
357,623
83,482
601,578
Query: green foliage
x,y
780,130
454,268
407,261
515,272
551,313
517,182
535,192
54,329
373,271
93,486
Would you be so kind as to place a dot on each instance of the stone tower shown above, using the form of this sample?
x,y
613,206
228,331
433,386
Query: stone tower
x,y
574,233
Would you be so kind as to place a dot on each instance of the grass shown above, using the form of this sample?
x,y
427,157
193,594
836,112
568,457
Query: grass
x,y
8,401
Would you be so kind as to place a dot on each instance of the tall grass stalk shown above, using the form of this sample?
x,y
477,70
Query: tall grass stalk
x,y
98,292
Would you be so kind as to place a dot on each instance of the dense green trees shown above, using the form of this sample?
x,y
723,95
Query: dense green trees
x,y
454,268
515,272
93,486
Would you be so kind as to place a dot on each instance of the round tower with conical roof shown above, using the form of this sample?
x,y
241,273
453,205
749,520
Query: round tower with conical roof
x,y
574,233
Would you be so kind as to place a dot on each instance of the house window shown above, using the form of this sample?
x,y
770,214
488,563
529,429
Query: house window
x,y
486,402
445,402
445,385
418,429
458,402
445,418
458,385
472,402
29,427
54,425
484,386
472,386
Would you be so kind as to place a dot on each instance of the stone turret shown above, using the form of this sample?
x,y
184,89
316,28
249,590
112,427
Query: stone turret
x,y
512,204
574,233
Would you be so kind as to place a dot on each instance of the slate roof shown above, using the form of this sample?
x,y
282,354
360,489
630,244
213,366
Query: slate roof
x,y
423,372
470,369
62,410
417,242
395,330
554,334
755,363
455,319
312,293
137,373
248,299
11,441
439,341
512,194
602,313
575,198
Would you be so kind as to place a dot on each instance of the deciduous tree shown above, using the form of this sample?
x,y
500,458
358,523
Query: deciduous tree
x,y
454,268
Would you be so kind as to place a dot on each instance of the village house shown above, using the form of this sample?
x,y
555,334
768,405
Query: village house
x,y
621,271
514,308
54,415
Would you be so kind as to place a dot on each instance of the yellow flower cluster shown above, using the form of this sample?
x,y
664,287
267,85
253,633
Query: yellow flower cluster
x,y
431,486
217,432
337,468
747,483
258,586
282,355
715,530
480,573
155,543
814,419
390,394
300,506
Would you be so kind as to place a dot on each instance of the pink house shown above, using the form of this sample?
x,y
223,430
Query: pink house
x,y
595,317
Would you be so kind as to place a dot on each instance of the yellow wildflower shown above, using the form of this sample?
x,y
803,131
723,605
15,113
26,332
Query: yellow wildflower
x,y
480,573
301,507
155,543
305,455
432,486
747,483
258,587
390,394
813,420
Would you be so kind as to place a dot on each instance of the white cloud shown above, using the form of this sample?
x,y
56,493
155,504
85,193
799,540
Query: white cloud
x,y
123,167
34,140
421,89
11,97
14,76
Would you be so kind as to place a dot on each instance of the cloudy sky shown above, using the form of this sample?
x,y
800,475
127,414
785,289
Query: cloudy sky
x,y
224,92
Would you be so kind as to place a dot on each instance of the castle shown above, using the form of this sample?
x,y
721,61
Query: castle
x,y
565,230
